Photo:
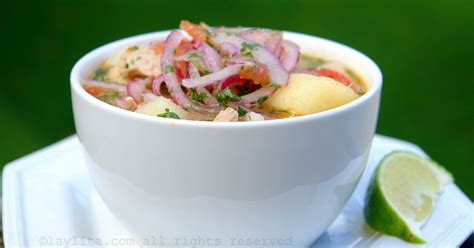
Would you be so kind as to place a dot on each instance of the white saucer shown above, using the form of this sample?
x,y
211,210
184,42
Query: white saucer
x,y
49,201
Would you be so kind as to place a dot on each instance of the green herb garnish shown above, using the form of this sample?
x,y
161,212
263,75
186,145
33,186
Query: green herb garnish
x,y
262,99
126,65
247,48
169,68
199,66
109,96
241,111
195,96
193,55
279,112
168,114
226,95
99,73
132,48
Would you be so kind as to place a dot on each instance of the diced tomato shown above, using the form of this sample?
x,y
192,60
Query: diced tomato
x,y
184,47
331,74
93,90
181,69
258,74
232,80
158,47
196,31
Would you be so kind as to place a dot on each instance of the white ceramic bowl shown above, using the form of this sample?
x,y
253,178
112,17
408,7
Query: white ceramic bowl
x,y
278,182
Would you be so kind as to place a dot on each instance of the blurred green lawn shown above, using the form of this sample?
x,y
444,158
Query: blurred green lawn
x,y
424,48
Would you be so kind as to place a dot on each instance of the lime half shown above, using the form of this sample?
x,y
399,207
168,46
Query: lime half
x,y
402,194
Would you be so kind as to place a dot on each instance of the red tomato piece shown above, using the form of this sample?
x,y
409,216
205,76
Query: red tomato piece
x,y
196,31
258,74
331,74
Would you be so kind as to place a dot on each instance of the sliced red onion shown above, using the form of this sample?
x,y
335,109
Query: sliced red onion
x,y
279,49
211,78
148,97
200,64
278,74
290,55
126,102
156,84
188,56
230,49
254,96
211,57
103,85
209,100
193,71
136,88
240,61
167,56
234,30
267,38
196,58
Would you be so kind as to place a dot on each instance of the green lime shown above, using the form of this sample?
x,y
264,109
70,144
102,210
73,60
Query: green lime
x,y
402,194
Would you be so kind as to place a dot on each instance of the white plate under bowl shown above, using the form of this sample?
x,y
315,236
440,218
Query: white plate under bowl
x,y
49,201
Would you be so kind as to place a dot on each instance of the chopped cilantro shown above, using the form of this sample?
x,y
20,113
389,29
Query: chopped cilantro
x,y
132,48
195,96
279,112
126,65
241,111
262,99
206,72
109,96
247,48
193,55
168,114
198,65
271,84
99,73
169,68
226,95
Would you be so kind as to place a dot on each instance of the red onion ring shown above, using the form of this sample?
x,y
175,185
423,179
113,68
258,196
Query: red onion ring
x,y
148,97
254,96
126,102
230,49
209,100
167,56
188,55
136,88
211,78
211,57
267,38
240,61
290,55
156,84
103,85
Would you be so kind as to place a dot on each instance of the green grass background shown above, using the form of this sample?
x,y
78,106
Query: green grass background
x,y
424,48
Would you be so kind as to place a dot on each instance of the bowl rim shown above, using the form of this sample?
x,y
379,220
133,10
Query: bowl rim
x,y
85,62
